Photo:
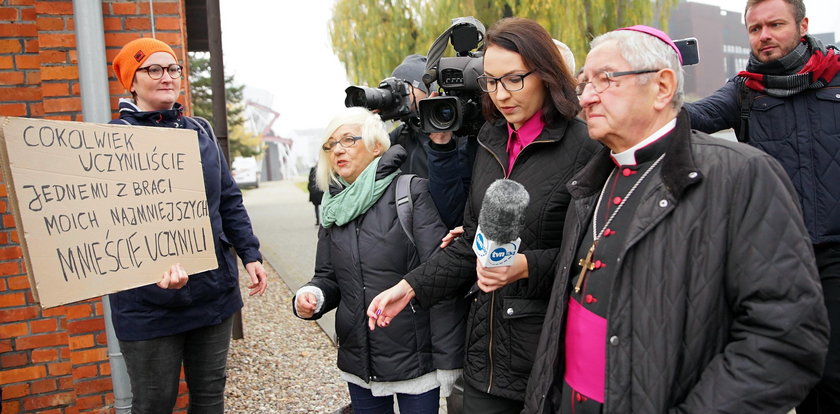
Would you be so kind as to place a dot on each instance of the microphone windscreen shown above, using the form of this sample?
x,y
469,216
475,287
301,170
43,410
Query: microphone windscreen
x,y
502,214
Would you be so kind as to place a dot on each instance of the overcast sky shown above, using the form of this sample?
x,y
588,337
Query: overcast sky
x,y
283,47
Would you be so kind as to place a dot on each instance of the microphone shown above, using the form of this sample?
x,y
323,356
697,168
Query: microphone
x,y
500,222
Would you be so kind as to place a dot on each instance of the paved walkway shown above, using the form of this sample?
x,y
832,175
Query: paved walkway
x,y
284,221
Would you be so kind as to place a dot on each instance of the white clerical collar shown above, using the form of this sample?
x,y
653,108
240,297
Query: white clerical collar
x,y
628,157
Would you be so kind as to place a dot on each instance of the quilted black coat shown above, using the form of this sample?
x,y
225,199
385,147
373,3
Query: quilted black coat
x,y
357,261
503,326
716,306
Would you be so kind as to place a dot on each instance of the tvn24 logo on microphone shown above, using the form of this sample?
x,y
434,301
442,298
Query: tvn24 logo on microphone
x,y
491,253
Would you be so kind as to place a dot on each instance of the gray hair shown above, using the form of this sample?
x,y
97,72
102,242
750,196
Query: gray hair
x,y
373,132
643,51
567,54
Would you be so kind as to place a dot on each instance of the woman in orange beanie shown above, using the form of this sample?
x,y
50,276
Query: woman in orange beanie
x,y
182,320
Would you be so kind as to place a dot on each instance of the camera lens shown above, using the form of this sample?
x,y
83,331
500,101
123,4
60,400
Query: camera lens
x,y
443,115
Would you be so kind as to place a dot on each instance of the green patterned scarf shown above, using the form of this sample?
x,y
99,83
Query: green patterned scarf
x,y
355,199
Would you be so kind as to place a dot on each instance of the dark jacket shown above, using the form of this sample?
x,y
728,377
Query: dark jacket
x,y
503,327
209,297
315,193
448,168
360,259
802,132
716,306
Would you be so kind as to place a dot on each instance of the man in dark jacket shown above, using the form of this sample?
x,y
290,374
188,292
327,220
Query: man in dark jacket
x,y
685,282
787,103
315,194
446,160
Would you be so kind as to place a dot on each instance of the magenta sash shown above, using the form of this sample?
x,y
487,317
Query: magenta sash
x,y
586,351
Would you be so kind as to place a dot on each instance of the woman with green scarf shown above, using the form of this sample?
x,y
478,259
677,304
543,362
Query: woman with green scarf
x,y
362,250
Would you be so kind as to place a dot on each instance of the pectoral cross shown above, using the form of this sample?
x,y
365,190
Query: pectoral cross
x,y
586,265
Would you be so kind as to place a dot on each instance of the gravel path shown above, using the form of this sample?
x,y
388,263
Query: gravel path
x,y
284,364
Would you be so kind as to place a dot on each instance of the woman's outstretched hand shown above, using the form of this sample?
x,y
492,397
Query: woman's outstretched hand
x,y
388,304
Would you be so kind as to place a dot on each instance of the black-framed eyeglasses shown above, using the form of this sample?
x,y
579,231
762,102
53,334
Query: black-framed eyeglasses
x,y
601,81
346,142
511,83
156,71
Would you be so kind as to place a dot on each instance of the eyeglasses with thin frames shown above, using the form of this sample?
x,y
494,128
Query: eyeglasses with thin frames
x,y
511,82
601,81
156,71
346,142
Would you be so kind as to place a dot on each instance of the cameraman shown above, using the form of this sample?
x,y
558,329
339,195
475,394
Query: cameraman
x,y
444,159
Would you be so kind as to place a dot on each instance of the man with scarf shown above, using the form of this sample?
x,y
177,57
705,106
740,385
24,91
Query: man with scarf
x,y
787,103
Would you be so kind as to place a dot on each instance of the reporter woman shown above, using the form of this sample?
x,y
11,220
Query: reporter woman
x,y
362,250
162,329
531,136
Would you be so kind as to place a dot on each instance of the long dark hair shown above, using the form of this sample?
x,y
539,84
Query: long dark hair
x,y
532,42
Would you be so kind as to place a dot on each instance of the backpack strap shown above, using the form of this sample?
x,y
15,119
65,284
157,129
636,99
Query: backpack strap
x,y
405,205
745,100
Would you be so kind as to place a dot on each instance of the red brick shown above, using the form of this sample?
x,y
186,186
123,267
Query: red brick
x,y
121,38
55,89
65,382
10,376
17,30
5,344
105,369
28,14
8,13
11,78
93,386
36,110
57,40
27,62
60,72
16,109
18,314
85,371
101,339
13,359
13,252
18,282
89,355
45,401
41,341
6,62
124,8
168,23
59,368
77,311
8,219
172,39
54,7
10,45
63,105
11,392
15,238
44,386
10,299
42,326
89,402
81,342
50,24
138,23
31,46
33,77
53,56
4,237
44,355
161,8
97,307
10,407
12,330
85,326
112,23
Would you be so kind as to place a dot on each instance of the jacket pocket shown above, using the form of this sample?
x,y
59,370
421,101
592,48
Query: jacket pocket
x,y
770,120
165,298
524,319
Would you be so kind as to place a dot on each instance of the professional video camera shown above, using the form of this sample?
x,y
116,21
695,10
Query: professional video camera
x,y
392,98
459,107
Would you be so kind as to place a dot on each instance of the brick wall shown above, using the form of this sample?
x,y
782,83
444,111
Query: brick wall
x,y
55,360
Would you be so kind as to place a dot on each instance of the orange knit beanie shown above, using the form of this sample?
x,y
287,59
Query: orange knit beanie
x,y
133,54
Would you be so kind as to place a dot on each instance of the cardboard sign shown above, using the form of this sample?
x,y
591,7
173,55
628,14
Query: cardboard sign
x,y
104,208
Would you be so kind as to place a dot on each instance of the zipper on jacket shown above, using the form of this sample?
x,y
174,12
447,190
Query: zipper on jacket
x,y
490,342
506,172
